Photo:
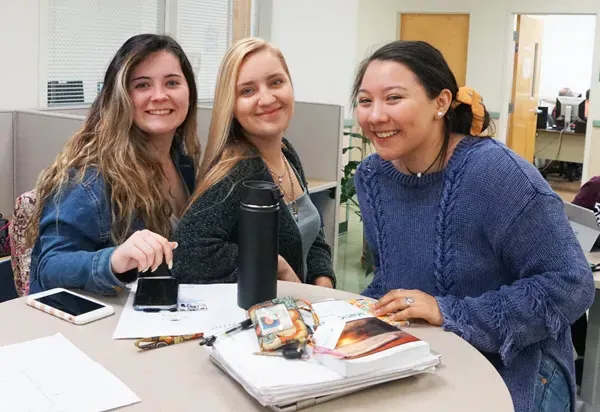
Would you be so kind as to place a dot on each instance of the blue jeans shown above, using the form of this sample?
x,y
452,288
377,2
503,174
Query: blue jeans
x,y
552,392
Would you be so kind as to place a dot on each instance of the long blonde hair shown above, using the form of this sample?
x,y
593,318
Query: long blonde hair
x,y
227,145
110,142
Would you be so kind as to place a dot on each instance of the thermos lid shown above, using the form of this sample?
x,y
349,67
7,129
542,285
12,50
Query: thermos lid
x,y
260,193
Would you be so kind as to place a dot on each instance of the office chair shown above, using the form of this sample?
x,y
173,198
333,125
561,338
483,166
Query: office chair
x,y
7,286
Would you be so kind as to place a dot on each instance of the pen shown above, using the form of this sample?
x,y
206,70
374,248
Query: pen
x,y
240,326
289,354
291,351
162,341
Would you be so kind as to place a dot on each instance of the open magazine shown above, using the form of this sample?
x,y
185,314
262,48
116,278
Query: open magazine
x,y
362,343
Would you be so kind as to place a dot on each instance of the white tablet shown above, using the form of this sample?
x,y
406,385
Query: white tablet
x,y
69,306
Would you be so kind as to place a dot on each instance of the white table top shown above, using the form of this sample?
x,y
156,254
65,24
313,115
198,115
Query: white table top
x,y
182,376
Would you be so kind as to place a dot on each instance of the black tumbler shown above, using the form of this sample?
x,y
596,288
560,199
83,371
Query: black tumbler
x,y
258,243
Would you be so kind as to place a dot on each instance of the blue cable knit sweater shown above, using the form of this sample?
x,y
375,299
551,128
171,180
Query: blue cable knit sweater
x,y
490,240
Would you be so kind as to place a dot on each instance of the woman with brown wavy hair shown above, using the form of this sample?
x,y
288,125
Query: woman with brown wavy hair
x,y
110,201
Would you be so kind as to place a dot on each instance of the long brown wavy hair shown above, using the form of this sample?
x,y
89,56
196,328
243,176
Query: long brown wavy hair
x,y
110,142
226,145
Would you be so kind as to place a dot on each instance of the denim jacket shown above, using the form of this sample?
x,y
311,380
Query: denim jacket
x,y
74,245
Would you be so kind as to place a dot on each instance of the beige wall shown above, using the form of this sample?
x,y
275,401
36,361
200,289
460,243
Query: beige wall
x,y
593,162
19,34
489,61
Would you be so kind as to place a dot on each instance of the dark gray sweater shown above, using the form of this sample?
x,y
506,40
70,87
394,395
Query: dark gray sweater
x,y
208,233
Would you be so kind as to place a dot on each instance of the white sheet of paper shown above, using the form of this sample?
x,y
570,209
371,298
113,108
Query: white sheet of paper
x,y
218,311
328,334
335,310
51,374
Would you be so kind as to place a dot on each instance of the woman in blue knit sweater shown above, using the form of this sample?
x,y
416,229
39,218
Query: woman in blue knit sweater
x,y
465,234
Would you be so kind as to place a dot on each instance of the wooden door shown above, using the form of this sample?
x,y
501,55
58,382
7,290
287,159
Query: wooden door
x,y
526,82
242,10
449,33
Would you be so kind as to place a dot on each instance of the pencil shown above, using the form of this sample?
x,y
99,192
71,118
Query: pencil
x,y
162,341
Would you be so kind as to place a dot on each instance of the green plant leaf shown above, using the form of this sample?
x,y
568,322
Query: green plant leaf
x,y
357,135
345,149
351,167
349,192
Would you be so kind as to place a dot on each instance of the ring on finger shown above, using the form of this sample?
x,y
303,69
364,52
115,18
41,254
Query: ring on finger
x,y
408,301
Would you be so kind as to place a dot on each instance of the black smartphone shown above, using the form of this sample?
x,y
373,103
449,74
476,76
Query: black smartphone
x,y
161,271
156,293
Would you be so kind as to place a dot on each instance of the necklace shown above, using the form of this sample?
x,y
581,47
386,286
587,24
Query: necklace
x,y
275,175
419,174
279,181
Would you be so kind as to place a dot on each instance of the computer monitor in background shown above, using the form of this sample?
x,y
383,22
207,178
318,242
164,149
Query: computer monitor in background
x,y
542,117
569,109
583,107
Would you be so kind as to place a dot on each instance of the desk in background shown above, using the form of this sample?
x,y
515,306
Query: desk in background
x,y
319,185
170,378
550,145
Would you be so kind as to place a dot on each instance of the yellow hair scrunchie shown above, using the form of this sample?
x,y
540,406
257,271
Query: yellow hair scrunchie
x,y
468,96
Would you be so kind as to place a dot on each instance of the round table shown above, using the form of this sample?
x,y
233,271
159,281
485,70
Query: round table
x,y
182,377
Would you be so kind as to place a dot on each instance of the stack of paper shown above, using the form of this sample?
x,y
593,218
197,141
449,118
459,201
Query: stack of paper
x,y
281,384
51,374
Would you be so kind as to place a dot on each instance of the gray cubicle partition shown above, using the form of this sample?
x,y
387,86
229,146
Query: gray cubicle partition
x,y
6,164
316,132
204,116
39,137
71,110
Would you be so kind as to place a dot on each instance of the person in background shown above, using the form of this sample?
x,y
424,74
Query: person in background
x,y
570,170
465,234
589,198
107,206
253,106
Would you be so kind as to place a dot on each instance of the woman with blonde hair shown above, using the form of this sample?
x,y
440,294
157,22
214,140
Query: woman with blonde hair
x,y
253,105
109,203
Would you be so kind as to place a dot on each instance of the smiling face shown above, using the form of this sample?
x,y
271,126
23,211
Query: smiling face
x,y
160,95
264,101
395,112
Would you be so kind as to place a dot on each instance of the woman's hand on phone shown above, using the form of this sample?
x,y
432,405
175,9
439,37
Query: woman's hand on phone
x,y
143,250
285,271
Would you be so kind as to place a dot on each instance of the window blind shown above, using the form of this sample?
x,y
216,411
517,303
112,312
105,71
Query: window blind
x,y
84,35
204,35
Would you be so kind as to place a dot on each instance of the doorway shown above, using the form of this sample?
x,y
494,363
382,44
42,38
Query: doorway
x,y
552,74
